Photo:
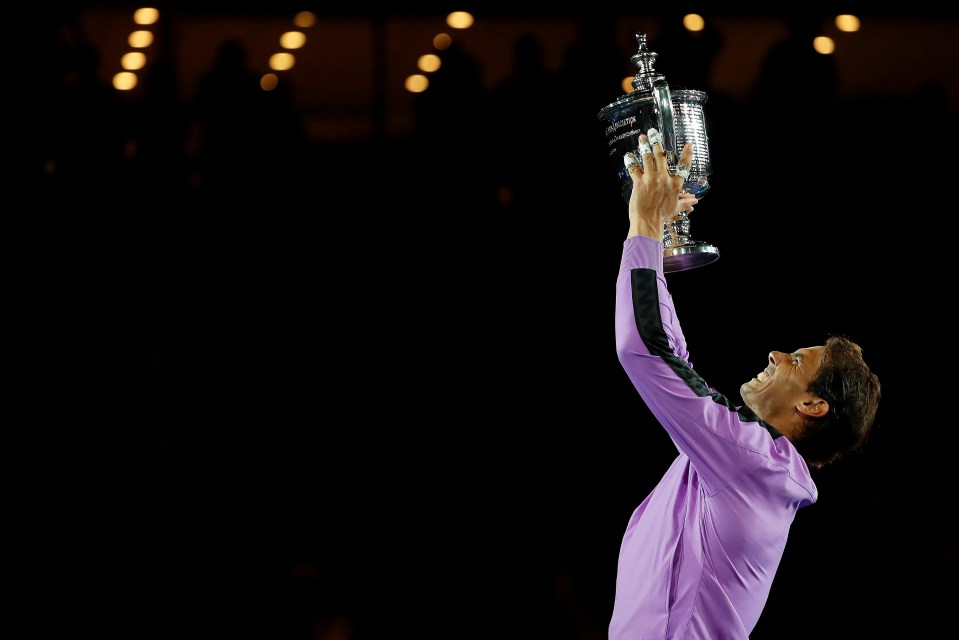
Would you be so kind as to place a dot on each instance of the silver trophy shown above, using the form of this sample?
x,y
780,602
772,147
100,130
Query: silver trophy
x,y
679,116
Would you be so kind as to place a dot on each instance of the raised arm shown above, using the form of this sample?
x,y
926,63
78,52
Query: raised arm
x,y
649,340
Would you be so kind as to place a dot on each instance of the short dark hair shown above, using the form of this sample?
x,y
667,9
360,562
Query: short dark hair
x,y
852,390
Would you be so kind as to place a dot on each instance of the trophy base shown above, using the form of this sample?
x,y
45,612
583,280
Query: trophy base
x,y
689,256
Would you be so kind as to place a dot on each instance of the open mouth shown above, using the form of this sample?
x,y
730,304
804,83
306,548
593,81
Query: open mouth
x,y
766,373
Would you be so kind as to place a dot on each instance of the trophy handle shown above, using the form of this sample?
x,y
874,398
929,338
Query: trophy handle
x,y
664,112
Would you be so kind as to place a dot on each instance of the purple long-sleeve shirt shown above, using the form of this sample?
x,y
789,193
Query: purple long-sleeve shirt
x,y
700,553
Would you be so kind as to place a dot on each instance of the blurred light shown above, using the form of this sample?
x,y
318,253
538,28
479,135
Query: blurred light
x,y
140,39
417,83
146,15
823,45
133,60
627,84
847,22
292,40
428,63
269,81
282,61
693,22
124,81
460,20
304,19
442,41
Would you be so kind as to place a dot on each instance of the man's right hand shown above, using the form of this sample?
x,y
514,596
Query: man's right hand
x,y
657,193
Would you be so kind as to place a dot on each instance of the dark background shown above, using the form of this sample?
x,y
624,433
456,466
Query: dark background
x,y
399,405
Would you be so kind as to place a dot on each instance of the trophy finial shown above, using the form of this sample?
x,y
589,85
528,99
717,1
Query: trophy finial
x,y
644,59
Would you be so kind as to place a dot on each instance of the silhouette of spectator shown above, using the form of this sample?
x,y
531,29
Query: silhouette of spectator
x,y
517,138
793,73
160,130
593,69
530,81
228,109
83,120
454,101
591,77
687,57
280,140
794,97
450,116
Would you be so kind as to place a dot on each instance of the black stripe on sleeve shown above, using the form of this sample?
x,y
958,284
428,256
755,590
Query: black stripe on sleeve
x,y
649,324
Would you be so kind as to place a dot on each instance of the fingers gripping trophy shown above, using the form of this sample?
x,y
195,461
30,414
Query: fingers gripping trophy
x,y
679,116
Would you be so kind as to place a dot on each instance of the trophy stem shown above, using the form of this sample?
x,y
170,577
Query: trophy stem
x,y
676,231
680,251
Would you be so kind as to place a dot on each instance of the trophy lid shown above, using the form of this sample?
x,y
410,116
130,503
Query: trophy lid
x,y
644,59
645,83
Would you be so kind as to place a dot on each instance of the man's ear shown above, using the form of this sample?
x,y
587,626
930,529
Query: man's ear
x,y
813,407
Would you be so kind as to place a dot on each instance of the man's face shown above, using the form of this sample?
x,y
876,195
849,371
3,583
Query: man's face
x,y
776,392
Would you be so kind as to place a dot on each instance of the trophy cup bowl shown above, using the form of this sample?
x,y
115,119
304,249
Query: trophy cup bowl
x,y
679,116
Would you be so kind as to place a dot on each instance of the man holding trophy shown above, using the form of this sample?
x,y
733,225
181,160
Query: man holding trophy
x,y
700,553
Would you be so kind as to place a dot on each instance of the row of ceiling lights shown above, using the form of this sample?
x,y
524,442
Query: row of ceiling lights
x,y
430,62
142,37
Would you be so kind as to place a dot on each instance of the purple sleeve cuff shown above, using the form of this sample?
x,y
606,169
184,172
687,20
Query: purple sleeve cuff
x,y
642,252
